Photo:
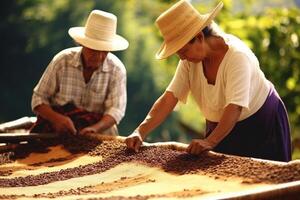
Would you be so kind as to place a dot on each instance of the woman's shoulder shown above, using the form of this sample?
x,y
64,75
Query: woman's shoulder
x,y
239,49
235,43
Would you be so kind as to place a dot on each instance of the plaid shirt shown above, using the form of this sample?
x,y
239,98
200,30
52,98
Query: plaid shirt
x,y
63,83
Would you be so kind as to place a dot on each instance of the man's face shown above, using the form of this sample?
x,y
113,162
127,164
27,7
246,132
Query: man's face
x,y
93,58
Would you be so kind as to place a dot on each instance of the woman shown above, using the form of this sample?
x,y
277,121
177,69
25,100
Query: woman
x,y
244,114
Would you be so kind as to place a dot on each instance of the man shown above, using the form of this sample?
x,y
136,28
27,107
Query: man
x,y
244,114
83,89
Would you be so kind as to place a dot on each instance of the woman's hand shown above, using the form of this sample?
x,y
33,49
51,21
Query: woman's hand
x,y
197,146
162,107
134,141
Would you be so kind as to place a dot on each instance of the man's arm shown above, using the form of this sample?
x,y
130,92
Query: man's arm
x,y
114,104
106,122
60,122
44,90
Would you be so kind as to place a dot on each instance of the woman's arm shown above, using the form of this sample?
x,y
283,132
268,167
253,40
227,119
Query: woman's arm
x,y
159,111
163,106
228,120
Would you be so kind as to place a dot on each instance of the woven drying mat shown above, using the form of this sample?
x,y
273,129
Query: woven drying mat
x,y
101,167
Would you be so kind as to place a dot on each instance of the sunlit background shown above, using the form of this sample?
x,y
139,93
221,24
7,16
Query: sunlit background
x,y
33,31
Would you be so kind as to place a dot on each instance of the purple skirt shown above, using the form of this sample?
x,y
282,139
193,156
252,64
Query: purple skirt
x,y
265,134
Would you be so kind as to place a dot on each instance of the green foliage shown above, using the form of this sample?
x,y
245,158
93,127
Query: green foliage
x,y
32,33
274,37
144,81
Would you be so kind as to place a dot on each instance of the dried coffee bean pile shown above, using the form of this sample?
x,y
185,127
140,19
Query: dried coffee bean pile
x,y
185,193
137,197
86,190
73,144
172,161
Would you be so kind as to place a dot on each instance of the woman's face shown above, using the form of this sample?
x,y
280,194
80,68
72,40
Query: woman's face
x,y
93,58
193,51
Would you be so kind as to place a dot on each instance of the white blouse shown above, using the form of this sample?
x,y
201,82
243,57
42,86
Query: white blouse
x,y
239,81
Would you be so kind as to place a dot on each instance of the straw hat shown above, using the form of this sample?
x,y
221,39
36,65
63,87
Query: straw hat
x,y
179,24
99,32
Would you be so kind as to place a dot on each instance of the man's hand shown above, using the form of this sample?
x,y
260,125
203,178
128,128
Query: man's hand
x,y
88,130
63,124
105,123
198,146
134,141
60,122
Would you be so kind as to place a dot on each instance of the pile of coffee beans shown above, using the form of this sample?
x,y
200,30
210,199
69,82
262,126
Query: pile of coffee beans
x,y
113,153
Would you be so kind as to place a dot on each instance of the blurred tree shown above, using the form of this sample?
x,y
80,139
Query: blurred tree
x,y
274,37
143,85
33,31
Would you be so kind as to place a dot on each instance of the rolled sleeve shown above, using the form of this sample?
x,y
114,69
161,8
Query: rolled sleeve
x,y
179,85
115,104
38,99
238,82
45,88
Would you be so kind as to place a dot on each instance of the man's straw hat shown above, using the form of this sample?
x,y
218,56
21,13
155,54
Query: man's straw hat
x,y
99,32
179,24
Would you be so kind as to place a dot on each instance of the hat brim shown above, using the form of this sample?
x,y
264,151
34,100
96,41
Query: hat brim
x,y
170,48
116,44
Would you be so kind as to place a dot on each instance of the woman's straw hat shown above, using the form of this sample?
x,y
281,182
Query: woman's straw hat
x,y
99,32
179,24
